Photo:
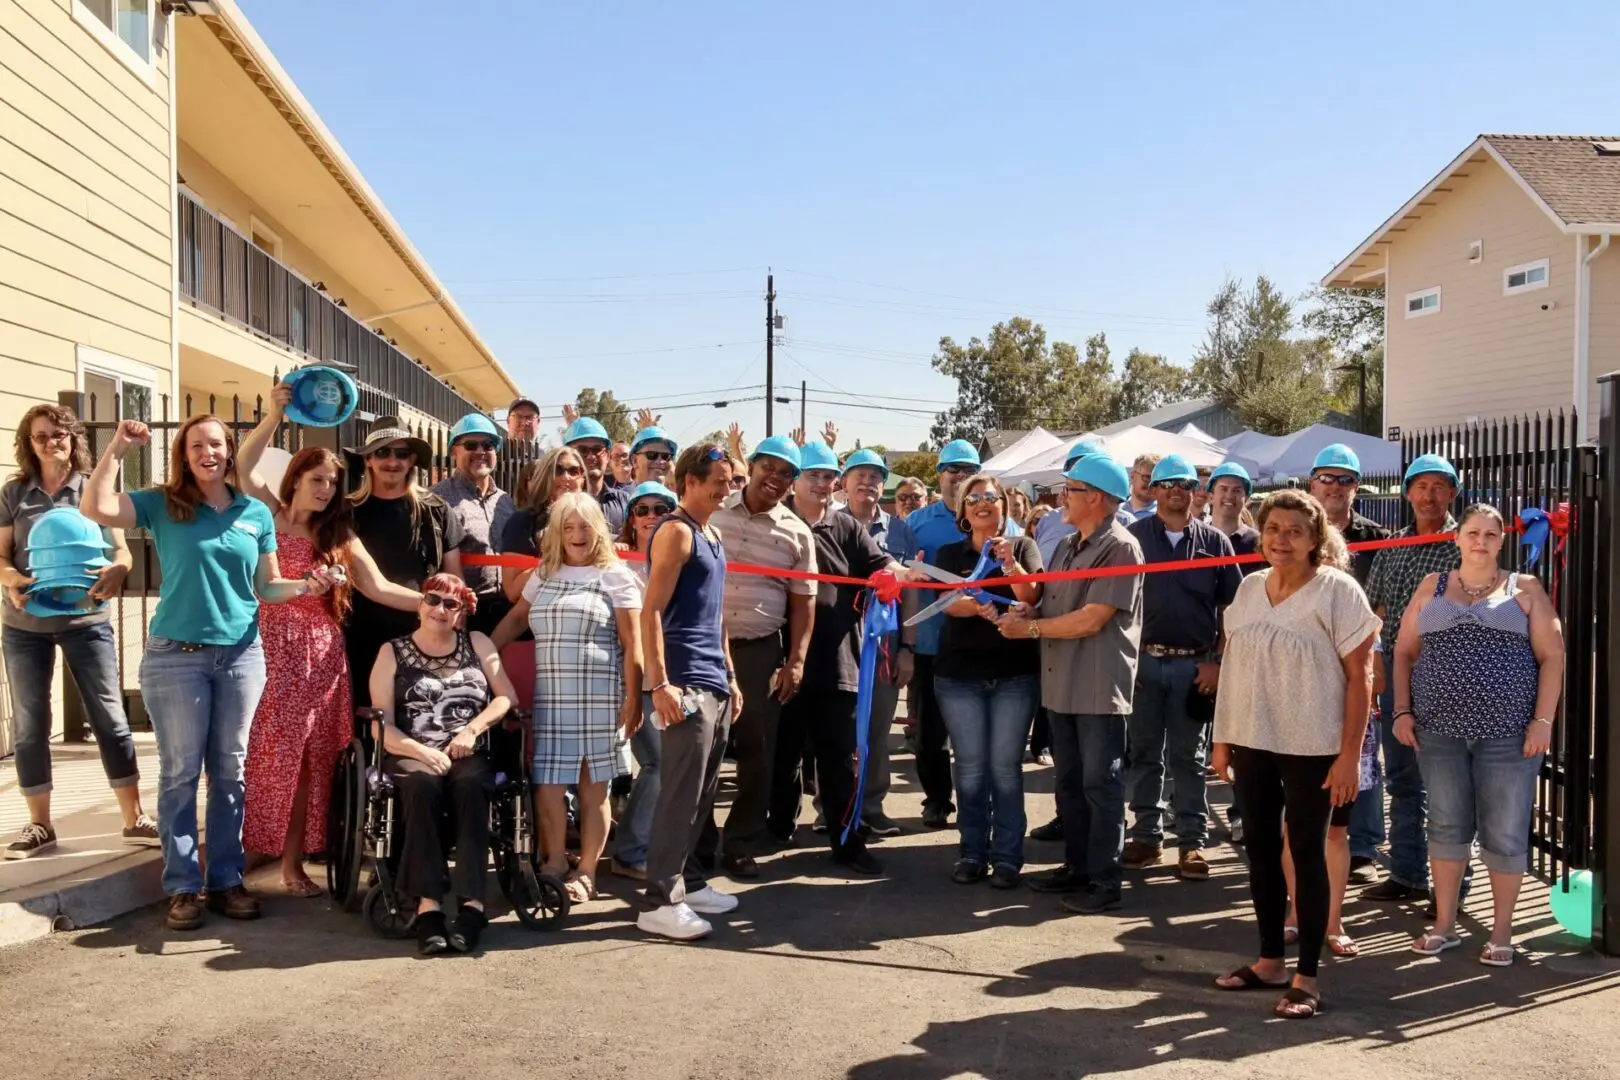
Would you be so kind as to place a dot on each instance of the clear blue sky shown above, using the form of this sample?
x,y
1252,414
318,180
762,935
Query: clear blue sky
x,y
601,183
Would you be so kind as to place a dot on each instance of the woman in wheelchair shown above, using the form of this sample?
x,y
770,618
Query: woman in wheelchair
x,y
439,689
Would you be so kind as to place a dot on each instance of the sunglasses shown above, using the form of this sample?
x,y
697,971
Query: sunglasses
x,y
1335,481
739,482
658,509
960,470
590,449
665,455
574,471
47,438
397,453
449,603
477,446
1180,485
911,497
980,497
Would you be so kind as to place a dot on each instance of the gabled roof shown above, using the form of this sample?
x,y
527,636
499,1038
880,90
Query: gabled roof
x,y
1175,413
1574,179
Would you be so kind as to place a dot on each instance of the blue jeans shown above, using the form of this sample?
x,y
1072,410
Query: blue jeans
x,y
92,660
1367,821
1408,803
646,745
1088,756
1161,738
1484,788
201,703
988,721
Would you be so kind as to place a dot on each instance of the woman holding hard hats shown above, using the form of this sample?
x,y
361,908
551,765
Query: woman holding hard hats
x,y
53,460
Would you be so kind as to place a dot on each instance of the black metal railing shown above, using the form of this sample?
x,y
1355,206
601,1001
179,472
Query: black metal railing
x,y
223,272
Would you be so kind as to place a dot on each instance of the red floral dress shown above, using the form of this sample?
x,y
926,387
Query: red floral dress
x,y
305,713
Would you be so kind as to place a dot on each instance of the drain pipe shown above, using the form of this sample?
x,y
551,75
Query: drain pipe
x,y
1583,325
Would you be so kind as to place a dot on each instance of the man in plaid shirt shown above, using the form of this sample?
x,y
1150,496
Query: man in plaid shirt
x,y
1431,488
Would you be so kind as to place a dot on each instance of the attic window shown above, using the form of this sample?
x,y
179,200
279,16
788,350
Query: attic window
x,y
1525,277
1607,149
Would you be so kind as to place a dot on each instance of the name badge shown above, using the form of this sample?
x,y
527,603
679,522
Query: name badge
x,y
247,527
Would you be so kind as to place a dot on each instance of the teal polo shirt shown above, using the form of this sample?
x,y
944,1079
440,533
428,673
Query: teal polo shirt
x,y
208,565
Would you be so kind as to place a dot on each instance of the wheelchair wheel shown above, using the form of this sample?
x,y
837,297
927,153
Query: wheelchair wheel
x,y
395,923
346,827
540,900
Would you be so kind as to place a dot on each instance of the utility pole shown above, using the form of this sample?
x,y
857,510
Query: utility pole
x,y
802,425
770,353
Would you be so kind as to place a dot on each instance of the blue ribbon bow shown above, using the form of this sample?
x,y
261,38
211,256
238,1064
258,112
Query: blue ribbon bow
x,y
1536,530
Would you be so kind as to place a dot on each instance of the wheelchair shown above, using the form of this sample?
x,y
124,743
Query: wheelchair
x,y
360,825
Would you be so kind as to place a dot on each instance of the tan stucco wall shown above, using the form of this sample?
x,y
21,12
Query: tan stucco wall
x,y
85,207
1483,354
1603,345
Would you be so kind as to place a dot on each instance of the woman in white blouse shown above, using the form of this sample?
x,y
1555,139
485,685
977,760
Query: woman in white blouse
x,y
1289,722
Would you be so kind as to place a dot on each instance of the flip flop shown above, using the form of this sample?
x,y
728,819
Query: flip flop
x,y
1496,955
1343,946
1295,996
1250,981
1435,944
305,889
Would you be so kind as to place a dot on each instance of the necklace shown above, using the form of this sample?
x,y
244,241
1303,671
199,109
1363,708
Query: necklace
x,y
1471,592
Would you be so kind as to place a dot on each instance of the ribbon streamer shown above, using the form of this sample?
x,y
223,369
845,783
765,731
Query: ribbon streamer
x,y
881,619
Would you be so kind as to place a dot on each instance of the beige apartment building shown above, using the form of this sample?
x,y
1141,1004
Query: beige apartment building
x,y
1502,295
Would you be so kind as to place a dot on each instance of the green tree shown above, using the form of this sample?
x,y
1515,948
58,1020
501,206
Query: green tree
x,y
1352,321
1252,362
606,410
1149,381
924,464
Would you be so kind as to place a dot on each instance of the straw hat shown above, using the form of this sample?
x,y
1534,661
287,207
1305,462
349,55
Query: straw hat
x,y
390,429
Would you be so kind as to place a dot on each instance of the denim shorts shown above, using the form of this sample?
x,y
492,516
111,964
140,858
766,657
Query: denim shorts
x,y
1481,789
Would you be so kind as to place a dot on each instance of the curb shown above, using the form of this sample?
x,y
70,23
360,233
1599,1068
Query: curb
x,y
77,900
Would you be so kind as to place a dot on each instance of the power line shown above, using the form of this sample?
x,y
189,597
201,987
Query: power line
x,y
609,298
601,277
634,352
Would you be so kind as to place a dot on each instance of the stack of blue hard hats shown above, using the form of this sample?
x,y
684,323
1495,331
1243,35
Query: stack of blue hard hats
x,y
66,550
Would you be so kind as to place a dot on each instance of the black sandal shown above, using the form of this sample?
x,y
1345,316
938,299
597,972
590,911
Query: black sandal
x,y
1295,996
469,925
1251,981
430,936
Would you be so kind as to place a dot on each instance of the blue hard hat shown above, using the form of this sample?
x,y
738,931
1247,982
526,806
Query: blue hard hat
x,y
778,446
1233,469
1103,473
585,428
959,452
1173,467
870,459
1429,463
321,396
476,424
1081,449
817,455
650,435
652,489
1337,456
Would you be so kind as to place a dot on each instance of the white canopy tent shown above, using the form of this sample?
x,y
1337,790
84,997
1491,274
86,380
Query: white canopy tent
x,y
1193,431
1045,470
1030,444
1281,457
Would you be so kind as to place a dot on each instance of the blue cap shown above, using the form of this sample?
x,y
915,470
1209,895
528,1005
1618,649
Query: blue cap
x,y
585,428
650,435
817,455
868,458
1103,473
321,396
1424,464
653,489
1173,467
1337,456
959,452
1081,449
778,446
1232,469
476,424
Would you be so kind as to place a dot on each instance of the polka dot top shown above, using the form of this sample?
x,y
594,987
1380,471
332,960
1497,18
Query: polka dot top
x,y
1476,676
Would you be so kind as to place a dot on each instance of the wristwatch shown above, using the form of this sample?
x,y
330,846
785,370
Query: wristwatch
x,y
1035,628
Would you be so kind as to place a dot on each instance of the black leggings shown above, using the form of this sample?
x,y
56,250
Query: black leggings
x,y
1273,790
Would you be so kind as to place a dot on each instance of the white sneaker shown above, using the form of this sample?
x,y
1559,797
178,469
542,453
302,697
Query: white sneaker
x,y
675,921
711,901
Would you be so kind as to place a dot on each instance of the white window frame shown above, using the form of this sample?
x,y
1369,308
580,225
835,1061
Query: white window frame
x,y
145,69
122,370
1422,294
1543,265
255,225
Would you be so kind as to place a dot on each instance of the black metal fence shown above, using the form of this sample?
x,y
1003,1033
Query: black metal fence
x,y
223,272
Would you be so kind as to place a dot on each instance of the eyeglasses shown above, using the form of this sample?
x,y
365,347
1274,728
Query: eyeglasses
x,y
908,497
1077,489
397,453
665,455
659,509
980,497
449,603
46,438
477,446
575,471
1335,480
1181,485
960,470
590,449
738,482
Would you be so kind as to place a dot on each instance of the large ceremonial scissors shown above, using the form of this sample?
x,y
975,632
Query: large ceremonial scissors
x,y
987,565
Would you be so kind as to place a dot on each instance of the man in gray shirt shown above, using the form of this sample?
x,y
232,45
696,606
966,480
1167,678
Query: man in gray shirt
x,y
481,508
1090,632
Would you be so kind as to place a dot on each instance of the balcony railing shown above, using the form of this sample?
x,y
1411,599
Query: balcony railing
x,y
223,272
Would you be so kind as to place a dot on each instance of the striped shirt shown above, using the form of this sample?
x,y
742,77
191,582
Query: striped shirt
x,y
1397,572
757,605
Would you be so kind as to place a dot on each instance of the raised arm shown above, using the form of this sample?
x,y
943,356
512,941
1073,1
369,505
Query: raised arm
x,y
371,583
102,502
253,447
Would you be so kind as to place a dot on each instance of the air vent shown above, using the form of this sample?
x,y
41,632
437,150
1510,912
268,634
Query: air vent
x,y
1607,149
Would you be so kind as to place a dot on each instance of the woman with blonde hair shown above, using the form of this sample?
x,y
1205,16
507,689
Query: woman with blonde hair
x,y
560,471
583,606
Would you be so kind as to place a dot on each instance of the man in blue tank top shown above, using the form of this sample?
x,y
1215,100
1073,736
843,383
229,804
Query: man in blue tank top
x,y
694,693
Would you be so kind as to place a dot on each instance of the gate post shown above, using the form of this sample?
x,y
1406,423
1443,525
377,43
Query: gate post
x,y
1605,723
